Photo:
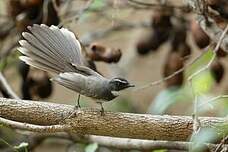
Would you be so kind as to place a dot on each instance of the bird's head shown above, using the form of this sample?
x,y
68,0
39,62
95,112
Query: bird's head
x,y
118,84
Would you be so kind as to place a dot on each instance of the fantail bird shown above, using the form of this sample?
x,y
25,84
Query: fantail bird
x,y
57,50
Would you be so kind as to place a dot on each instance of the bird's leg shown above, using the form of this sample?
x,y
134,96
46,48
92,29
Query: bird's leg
x,y
102,109
77,106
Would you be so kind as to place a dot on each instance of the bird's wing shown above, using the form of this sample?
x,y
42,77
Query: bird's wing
x,y
70,80
76,82
86,71
51,49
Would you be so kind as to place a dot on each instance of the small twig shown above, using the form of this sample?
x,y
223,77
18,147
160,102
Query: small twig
x,y
78,15
91,36
157,5
9,145
65,7
7,87
221,143
55,5
154,83
7,49
212,99
32,127
196,123
212,58
120,143
45,11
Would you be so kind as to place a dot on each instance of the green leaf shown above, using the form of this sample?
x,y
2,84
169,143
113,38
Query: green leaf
x,y
166,98
201,62
205,135
160,150
91,147
3,64
203,82
22,147
97,4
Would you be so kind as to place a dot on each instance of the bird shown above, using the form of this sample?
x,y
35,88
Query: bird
x,y
57,50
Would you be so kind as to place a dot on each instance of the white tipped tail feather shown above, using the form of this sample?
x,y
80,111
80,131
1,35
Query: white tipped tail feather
x,y
50,48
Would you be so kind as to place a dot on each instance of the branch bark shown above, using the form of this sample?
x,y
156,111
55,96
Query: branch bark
x,y
90,122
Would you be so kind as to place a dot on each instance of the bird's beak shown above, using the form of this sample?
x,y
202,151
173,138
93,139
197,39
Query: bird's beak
x,y
131,85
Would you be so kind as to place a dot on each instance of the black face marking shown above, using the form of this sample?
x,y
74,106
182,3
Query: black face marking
x,y
118,84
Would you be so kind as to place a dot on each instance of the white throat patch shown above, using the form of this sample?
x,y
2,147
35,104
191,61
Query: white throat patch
x,y
116,93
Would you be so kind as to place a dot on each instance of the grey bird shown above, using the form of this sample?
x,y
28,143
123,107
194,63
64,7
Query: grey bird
x,y
57,50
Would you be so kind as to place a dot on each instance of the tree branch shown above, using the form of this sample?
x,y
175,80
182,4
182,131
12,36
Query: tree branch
x,y
4,85
31,127
90,122
127,143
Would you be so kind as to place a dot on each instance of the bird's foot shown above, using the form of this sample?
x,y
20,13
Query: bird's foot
x,y
102,109
102,113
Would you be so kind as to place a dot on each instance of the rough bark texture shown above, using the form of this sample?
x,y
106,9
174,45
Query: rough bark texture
x,y
89,121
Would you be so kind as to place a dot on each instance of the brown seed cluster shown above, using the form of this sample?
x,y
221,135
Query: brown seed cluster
x,y
98,52
28,12
166,26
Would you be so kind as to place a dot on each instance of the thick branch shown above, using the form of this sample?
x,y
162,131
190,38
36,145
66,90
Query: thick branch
x,y
87,121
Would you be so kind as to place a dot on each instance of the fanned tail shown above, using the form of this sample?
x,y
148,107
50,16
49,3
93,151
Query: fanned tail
x,y
50,48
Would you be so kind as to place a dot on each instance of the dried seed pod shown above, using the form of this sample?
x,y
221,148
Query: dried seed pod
x,y
22,21
14,8
212,2
161,25
143,46
23,69
178,40
159,37
221,53
200,37
173,63
217,70
52,16
98,52
179,34
153,41
161,18
183,49
39,84
27,12
219,5
31,3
